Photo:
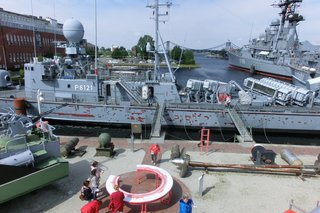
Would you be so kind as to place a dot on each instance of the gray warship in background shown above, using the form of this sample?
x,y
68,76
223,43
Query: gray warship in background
x,y
70,89
278,52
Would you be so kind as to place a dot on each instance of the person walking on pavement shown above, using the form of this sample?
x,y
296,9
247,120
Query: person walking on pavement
x,y
95,165
95,183
154,151
91,207
186,204
116,200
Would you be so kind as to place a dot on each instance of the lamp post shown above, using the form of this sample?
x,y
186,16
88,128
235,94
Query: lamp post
x,y
39,99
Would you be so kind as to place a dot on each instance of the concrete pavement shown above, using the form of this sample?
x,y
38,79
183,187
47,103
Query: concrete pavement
x,y
223,191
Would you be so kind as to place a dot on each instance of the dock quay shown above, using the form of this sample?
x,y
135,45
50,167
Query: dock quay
x,y
223,191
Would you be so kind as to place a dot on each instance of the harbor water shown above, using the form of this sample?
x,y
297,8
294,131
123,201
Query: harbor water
x,y
210,68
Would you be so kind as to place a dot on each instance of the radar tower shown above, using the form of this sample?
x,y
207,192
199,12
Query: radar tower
x,y
155,6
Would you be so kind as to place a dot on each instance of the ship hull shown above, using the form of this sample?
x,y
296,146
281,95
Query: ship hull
x,y
262,118
257,66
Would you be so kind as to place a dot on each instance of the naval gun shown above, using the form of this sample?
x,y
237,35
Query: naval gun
x,y
69,148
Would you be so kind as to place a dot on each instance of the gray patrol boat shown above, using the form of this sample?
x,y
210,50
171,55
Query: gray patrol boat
x,y
70,89
278,52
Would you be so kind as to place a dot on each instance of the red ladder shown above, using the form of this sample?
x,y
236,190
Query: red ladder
x,y
204,140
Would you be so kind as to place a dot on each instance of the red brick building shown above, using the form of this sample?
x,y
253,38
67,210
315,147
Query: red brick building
x,y
23,37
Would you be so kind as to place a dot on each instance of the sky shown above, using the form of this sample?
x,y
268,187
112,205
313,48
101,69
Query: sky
x,y
197,24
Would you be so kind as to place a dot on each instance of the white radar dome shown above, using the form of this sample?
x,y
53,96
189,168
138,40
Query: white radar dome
x,y
73,30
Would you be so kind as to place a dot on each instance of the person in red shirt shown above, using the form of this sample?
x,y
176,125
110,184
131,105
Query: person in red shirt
x,y
91,207
154,151
116,200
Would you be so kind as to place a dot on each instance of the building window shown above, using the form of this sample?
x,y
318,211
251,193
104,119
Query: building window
x,y
10,57
11,39
8,38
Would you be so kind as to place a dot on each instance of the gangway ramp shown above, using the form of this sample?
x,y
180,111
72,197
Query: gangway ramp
x,y
245,135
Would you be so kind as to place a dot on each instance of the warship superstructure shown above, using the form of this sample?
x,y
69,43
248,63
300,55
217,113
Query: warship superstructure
x,y
70,89
278,52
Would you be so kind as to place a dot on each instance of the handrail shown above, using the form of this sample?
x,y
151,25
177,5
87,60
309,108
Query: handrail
x,y
162,190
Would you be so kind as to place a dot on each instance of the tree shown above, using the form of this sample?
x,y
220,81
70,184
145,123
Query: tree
x,y
90,51
141,47
188,57
105,51
120,52
176,53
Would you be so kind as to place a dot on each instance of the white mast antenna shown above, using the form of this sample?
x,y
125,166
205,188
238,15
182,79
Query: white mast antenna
x,y
96,39
156,13
33,31
55,26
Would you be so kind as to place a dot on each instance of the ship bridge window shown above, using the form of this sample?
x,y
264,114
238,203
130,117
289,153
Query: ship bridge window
x,y
264,89
249,84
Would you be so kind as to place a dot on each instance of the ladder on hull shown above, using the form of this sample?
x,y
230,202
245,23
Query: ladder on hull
x,y
205,139
156,126
245,135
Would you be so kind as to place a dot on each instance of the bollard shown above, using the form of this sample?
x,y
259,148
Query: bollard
x,y
200,179
132,143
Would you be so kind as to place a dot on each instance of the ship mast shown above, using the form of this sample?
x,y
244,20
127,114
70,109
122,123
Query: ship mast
x,y
287,13
96,39
156,18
